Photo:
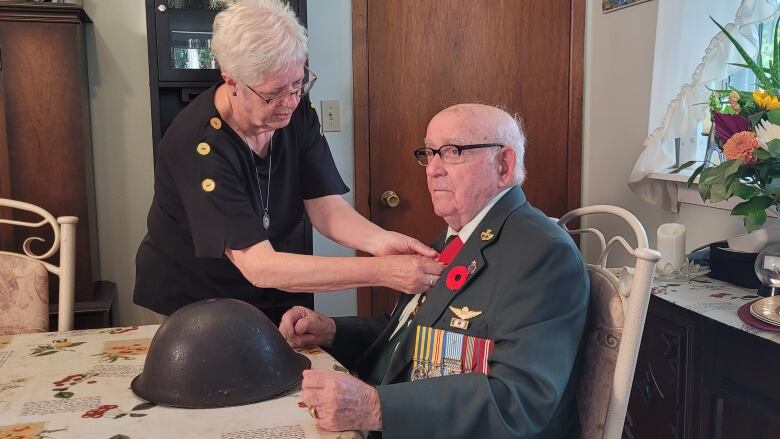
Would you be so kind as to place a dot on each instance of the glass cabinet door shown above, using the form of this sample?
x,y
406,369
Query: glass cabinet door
x,y
184,40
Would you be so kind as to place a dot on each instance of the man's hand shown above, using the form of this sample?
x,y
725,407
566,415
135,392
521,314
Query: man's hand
x,y
341,402
409,274
301,326
393,243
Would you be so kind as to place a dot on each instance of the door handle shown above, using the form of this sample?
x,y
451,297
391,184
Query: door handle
x,y
390,199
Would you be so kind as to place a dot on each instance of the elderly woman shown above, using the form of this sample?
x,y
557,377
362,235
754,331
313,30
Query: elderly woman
x,y
235,172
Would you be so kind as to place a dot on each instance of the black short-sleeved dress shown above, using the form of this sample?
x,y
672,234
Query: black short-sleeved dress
x,y
207,200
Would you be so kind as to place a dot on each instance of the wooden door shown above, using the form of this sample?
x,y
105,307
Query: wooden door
x,y
413,58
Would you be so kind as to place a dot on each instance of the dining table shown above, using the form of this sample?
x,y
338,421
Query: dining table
x,y
76,384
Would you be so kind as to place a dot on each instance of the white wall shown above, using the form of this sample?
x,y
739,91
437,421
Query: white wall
x,y
121,131
121,138
330,49
618,72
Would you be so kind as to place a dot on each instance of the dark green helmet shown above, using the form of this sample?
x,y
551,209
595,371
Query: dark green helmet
x,y
218,353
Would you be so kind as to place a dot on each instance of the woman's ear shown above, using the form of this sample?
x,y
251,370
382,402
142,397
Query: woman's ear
x,y
231,83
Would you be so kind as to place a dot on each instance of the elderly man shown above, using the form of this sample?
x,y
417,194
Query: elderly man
x,y
490,351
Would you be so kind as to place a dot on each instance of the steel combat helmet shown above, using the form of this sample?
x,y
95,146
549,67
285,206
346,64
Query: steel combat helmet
x,y
218,353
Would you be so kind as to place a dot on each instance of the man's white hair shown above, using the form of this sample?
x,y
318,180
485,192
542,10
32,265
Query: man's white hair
x,y
253,38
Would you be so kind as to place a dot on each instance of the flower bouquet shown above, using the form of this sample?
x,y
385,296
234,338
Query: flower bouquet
x,y
747,131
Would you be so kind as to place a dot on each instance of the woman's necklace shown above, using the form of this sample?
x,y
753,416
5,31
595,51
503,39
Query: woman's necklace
x,y
265,205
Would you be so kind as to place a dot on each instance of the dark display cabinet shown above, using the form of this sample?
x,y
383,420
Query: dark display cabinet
x,y
181,63
699,378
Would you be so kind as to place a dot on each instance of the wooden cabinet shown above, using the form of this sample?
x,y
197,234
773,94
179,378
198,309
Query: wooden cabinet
x,y
45,136
699,378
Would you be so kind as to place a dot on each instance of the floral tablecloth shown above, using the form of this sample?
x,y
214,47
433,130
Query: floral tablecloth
x,y
712,298
77,385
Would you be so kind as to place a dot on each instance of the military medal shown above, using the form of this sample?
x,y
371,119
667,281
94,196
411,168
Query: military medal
x,y
435,369
464,315
476,352
453,343
421,346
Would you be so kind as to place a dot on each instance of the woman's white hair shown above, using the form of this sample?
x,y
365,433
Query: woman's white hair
x,y
254,38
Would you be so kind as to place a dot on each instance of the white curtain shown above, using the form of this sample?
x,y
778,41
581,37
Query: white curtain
x,y
690,53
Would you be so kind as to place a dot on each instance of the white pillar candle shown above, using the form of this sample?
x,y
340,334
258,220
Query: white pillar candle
x,y
671,244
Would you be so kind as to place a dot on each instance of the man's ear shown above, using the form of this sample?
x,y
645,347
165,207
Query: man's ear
x,y
506,165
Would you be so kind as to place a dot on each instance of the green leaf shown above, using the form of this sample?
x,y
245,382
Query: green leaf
x,y
761,153
773,188
773,146
683,166
756,203
121,415
746,192
731,166
145,406
119,436
695,174
736,64
755,220
775,63
137,415
65,395
755,118
761,77
774,115
718,193
76,344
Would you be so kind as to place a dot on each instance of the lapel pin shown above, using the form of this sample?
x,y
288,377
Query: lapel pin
x,y
472,267
464,315
487,235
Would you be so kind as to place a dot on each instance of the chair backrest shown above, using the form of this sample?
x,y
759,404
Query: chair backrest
x,y
64,241
618,306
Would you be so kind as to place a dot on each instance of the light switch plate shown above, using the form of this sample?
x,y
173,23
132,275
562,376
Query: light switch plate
x,y
331,115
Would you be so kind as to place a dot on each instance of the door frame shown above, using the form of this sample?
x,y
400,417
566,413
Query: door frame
x,y
361,120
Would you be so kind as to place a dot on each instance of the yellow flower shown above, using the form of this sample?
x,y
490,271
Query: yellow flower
x,y
766,101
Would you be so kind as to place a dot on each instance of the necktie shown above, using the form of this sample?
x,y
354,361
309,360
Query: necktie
x,y
451,249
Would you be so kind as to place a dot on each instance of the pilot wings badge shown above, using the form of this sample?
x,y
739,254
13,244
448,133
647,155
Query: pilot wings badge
x,y
464,315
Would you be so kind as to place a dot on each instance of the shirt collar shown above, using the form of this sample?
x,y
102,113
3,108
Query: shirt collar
x,y
469,227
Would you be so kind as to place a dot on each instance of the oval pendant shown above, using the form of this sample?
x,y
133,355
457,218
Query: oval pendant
x,y
266,220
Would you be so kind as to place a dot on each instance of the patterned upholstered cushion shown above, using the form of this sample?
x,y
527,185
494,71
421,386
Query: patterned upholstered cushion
x,y
24,295
603,334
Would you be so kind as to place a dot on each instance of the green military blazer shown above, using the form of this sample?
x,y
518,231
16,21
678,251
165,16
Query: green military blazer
x,y
532,288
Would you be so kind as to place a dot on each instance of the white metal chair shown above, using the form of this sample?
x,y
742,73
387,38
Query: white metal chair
x,y
24,292
618,306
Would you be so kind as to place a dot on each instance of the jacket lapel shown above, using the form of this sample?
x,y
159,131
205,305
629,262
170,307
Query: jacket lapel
x,y
440,296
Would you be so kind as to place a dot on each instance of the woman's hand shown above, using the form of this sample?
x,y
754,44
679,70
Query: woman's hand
x,y
393,243
409,273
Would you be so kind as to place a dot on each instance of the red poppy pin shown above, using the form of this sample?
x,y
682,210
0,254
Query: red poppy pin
x,y
457,277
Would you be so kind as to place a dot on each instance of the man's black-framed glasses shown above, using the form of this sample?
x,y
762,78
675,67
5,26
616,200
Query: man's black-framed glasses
x,y
300,92
448,153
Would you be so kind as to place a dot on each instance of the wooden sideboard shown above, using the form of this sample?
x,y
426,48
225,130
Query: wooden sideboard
x,y
702,374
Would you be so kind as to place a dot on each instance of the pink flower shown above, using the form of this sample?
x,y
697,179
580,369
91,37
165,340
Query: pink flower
x,y
741,146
